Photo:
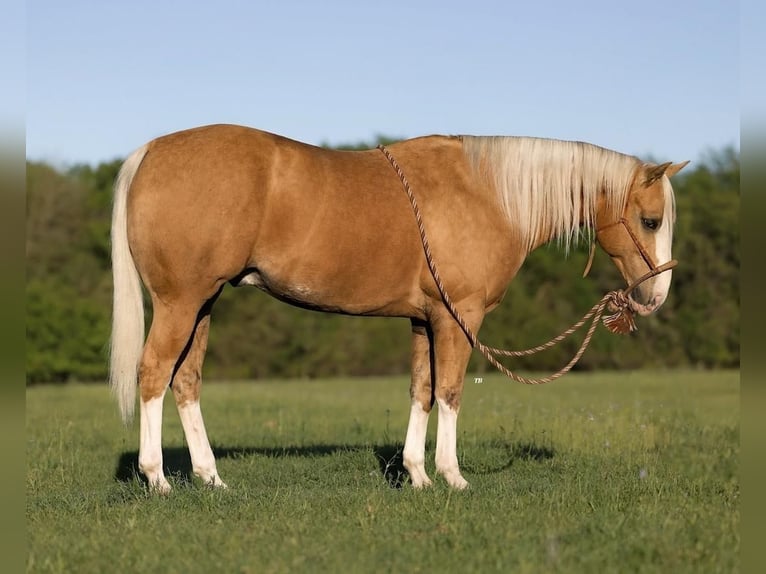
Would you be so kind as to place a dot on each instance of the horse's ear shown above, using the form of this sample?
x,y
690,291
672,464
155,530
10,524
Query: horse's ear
x,y
675,168
655,172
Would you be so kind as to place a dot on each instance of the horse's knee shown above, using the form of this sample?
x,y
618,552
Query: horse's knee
x,y
450,395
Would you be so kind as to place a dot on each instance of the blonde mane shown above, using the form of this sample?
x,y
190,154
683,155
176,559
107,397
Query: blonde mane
x,y
549,188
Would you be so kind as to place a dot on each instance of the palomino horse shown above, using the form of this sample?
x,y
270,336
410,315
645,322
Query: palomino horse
x,y
334,231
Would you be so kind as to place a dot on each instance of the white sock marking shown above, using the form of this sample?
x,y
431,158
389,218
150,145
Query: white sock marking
x,y
203,460
414,455
446,446
150,446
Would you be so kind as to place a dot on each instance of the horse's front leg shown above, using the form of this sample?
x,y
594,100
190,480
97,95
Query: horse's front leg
x,y
451,353
422,399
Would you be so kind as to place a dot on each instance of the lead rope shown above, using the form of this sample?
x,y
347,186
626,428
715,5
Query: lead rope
x,y
620,321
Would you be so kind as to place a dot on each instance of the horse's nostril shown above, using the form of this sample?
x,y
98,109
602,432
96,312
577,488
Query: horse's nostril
x,y
655,302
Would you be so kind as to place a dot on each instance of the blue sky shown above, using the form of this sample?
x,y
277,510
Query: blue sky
x,y
655,78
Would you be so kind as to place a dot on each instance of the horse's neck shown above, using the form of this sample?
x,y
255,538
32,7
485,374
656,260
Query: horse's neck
x,y
546,234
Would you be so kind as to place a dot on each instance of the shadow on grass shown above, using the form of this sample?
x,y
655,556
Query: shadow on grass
x,y
177,462
515,452
391,464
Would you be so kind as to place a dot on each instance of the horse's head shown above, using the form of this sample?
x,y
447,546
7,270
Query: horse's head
x,y
639,240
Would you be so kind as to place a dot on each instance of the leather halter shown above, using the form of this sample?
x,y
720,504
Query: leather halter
x,y
645,255
641,249
654,269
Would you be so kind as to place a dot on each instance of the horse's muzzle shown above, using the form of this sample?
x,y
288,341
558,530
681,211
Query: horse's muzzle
x,y
648,308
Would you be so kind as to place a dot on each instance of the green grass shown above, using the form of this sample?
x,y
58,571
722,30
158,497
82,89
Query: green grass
x,y
610,472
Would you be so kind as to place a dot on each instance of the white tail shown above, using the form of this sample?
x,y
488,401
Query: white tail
x,y
127,340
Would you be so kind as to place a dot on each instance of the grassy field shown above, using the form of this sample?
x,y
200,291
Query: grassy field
x,y
609,472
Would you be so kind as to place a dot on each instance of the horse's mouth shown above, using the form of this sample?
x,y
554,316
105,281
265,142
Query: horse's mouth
x,y
647,309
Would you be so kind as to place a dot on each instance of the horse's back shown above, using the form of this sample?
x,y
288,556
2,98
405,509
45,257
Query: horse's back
x,y
318,227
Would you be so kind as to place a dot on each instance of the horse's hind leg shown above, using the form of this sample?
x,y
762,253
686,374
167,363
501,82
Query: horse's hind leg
x,y
172,327
422,399
186,386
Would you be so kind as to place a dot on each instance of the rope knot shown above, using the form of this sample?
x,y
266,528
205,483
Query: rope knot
x,y
621,320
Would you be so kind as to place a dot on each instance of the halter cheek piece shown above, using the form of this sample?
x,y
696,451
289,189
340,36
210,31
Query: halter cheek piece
x,y
641,249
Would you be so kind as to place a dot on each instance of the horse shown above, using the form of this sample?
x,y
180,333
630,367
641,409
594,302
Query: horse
x,y
333,231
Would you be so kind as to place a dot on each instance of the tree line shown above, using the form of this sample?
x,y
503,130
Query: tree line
x,y
254,336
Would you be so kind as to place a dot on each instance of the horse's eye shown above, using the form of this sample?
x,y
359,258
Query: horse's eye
x,y
650,224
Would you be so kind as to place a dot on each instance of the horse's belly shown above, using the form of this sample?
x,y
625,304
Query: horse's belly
x,y
334,290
